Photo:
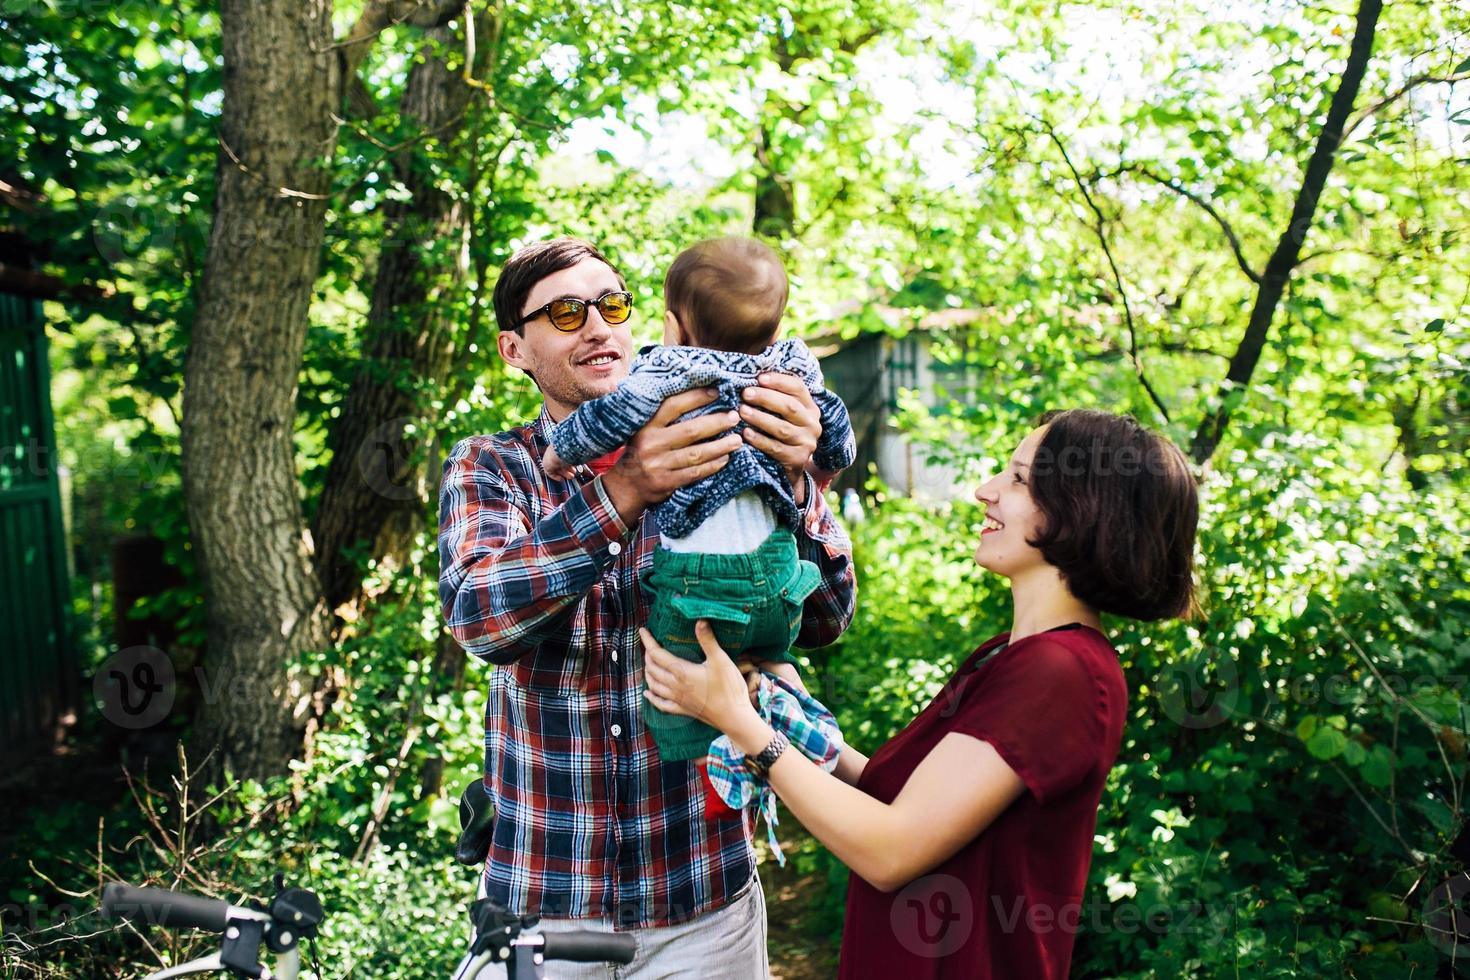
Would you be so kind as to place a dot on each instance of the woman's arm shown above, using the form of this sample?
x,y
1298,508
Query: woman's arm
x,y
850,765
953,795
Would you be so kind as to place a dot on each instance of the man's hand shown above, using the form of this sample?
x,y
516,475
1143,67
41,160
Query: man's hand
x,y
783,421
555,467
664,456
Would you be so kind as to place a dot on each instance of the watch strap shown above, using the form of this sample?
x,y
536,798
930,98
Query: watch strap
x,y
761,763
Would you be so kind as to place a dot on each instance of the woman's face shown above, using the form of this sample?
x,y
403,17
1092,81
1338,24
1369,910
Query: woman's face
x,y
1012,518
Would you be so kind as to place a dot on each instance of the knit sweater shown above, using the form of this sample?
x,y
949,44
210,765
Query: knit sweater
x,y
599,426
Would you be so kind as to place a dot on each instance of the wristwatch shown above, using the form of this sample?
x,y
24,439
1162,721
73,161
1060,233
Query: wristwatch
x,y
762,763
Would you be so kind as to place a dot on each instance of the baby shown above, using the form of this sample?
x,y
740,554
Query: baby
x,y
727,553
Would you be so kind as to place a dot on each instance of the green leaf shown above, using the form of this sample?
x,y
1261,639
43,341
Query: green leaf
x,y
1327,743
1378,769
146,54
1435,325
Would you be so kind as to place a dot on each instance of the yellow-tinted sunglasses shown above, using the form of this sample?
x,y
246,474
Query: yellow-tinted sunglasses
x,y
567,315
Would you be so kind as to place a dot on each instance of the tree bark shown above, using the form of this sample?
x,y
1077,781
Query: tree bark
x,y
775,210
377,483
1288,249
263,602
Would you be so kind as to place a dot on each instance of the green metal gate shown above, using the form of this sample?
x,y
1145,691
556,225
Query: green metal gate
x,y
37,665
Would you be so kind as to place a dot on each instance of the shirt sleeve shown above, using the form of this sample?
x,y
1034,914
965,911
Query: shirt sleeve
x,y
1043,710
822,541
505,584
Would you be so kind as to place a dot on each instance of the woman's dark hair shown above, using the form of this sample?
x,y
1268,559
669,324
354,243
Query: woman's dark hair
x,y
1120,509
532,264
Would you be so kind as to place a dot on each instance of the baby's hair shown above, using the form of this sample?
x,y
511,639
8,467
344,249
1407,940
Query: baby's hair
x,y
728,293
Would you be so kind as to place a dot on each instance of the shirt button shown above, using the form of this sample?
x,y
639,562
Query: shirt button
x,y
614,656
615,549
617,730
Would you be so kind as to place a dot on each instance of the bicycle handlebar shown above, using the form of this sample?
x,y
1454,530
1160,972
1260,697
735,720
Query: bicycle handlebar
x,y
159,906
590,947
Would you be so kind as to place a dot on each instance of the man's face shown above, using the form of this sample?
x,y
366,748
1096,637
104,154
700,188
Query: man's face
x,y
571,368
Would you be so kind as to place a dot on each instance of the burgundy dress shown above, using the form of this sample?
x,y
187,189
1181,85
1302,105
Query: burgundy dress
x,y
1008,904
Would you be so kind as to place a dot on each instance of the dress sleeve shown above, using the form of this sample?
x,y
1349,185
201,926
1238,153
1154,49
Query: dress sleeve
x,y
1043,710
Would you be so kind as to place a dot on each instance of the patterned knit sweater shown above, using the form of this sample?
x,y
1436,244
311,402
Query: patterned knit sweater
x,y
599,426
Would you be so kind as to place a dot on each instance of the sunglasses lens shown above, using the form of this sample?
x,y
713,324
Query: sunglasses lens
x,y
615,307
567,314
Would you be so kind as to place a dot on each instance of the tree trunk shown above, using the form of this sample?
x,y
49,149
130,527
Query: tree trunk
x,y
263,602
376,487
775,211
1288,249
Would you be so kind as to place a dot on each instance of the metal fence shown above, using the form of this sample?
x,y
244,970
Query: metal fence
x,y
37,660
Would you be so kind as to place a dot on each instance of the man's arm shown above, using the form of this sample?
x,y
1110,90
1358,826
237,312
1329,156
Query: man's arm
x,y
822,541
504,584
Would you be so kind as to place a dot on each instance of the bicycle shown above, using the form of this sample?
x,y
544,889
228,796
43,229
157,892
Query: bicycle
x,y
498,936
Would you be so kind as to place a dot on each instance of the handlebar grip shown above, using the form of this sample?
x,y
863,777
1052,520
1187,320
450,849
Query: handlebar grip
x,y
591,947
159,906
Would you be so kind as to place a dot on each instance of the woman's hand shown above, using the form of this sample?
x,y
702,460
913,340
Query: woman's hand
x,y
715,692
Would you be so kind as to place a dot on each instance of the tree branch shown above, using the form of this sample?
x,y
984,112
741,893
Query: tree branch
x,y
1101,229
1288,248
379,15
1416,81
1209,209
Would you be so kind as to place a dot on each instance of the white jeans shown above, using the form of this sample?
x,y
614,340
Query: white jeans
x,y
726,944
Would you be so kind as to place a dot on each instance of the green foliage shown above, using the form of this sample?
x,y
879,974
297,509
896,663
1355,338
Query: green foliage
x,y
1290,784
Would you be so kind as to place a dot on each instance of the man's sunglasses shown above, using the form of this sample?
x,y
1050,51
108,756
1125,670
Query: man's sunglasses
x,y
567,315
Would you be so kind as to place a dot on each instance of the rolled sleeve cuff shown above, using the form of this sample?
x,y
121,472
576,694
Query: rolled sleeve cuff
x,y
596,524
819,524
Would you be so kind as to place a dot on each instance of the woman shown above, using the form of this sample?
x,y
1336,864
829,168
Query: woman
x,y
970,832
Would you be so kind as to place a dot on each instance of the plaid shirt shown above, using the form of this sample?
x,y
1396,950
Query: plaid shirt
x,y
540,577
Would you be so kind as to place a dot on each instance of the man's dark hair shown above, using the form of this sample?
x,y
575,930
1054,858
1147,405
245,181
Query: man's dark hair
x,y
533,263
728,293
1120,511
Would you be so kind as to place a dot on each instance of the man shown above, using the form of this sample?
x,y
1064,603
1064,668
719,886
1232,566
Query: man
x,y
540,576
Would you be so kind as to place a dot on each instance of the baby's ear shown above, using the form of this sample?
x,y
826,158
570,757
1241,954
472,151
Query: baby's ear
x,y
673,330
